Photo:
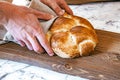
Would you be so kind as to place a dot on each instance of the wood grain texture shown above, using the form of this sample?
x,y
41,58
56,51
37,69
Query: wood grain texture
x,y
85,1
103,64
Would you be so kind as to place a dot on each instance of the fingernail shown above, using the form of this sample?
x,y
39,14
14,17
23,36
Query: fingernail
x,y
30,48
51,54
22,45
52,16
61,12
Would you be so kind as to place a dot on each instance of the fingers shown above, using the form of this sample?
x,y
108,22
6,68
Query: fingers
x,y
58,6
41,15
31,43
21,43
35,44
35,41
66,7
28,44
44,43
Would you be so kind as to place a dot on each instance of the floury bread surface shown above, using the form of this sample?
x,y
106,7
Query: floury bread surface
x,y
72,36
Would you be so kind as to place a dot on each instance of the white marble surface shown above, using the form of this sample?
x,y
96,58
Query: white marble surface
x,y
105,16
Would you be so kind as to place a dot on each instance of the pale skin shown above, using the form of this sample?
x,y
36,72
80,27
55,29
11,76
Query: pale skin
x,y
23,24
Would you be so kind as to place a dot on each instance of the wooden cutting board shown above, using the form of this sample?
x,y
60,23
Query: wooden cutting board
x,y
103,64
85,1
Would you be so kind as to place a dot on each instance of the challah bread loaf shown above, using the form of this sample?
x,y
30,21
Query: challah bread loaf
x,y
72,36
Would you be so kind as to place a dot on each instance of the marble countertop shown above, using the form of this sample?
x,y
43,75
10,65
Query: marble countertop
x,y
103,15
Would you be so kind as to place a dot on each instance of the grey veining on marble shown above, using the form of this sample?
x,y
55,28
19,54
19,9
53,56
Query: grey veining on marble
x,y
104,16
10,70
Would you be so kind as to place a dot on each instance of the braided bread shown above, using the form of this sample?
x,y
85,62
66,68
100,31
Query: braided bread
x,y
72,36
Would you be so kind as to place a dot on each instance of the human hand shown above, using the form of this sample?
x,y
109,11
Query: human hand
x,y
24,26
58,6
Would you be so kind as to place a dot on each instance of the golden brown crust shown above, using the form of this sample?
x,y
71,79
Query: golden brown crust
x,y
72,36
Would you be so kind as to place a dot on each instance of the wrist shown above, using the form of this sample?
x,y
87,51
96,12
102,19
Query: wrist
x,y
6,10
2,18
